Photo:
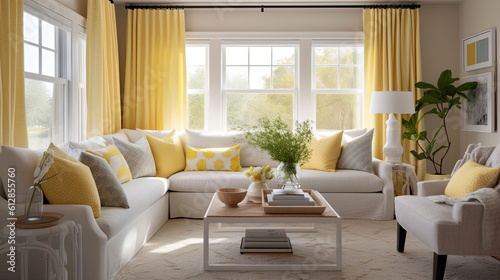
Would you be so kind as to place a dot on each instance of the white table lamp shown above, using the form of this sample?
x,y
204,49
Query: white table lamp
x,y
392,102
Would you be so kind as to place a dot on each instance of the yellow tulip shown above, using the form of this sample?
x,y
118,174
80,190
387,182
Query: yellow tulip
x,y
256,176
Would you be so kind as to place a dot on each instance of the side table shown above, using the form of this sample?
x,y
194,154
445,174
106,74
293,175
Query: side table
x,y
60,245
406,173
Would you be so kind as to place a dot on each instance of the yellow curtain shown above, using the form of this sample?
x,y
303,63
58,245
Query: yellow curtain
x,y
392,62
13,130
155,77
103,77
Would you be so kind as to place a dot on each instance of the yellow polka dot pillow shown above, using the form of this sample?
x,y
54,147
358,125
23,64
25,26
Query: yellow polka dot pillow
x,y
73,183
168,154
325,152
471,177
116,160
227,158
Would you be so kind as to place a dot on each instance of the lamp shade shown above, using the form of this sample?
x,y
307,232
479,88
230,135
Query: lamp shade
x,y
396,102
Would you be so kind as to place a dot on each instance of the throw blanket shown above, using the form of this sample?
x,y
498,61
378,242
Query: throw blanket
x,y
490,198
478,153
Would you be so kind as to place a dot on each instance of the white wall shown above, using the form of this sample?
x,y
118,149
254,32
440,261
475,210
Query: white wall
x,y
477,16
440,46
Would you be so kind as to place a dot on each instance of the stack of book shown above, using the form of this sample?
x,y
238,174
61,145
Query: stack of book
x,y
289,198
265,241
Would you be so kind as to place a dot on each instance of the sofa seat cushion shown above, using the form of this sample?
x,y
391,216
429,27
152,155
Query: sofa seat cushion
x,y
207,181
341,181
346,181
432,223
141,194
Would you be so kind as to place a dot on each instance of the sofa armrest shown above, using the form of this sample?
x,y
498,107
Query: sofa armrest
x,y
383,169
94,240
468,212
434,187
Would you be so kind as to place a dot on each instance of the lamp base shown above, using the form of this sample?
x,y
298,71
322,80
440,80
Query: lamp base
x,y
392,149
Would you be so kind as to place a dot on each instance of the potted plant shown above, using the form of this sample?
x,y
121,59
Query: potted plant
x,y
439,100
289,147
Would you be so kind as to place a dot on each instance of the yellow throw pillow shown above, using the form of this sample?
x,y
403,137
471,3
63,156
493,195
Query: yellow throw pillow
x,y
325,152
116,160
73,183
168,154
227,158
470,178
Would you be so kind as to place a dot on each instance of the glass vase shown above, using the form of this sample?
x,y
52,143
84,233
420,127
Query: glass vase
x,y
33,210
289,175
254,192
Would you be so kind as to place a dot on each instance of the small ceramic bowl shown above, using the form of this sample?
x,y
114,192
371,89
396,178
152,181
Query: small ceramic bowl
x,y
231,196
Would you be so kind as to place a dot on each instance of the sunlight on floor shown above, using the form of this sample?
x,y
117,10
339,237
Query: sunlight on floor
x,y
183,243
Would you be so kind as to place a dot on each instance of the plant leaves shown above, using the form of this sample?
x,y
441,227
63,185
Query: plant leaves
x,y
438,149
424,85
467,86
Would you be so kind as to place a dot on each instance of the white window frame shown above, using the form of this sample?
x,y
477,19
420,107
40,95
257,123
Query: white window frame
x,y
74,103
304,104
206,91
315,92
267,43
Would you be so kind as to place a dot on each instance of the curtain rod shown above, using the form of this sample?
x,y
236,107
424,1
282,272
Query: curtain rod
x,y
262,7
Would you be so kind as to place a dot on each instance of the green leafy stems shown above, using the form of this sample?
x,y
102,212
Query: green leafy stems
x,y
442,99
281,142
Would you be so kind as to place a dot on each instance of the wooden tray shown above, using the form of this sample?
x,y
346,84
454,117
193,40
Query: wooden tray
x,y
48,219
317,209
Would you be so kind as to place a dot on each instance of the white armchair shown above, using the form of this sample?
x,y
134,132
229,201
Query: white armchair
x,y
445,229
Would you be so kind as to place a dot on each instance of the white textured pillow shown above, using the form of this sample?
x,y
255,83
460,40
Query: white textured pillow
x,y
201,139
119,134
24,162
357,153
138,155
92,143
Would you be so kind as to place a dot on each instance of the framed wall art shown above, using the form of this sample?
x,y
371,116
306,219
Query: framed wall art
x,y
479,111
479,51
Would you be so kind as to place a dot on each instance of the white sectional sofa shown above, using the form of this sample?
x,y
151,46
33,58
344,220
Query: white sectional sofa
x,y
113,239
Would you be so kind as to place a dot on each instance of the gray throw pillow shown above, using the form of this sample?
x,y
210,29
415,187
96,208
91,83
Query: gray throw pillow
x,y
138,156
110,190
357,153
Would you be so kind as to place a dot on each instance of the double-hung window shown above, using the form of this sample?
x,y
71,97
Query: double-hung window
x,y
259,80
53,83
235,79
338,84
197,83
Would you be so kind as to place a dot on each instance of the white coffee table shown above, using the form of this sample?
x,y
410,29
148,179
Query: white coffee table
x,y
248,213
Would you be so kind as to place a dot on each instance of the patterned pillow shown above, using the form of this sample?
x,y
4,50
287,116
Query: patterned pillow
x,y
109,188
471,177
168,154
227,158
357,153
73,183
138,155
325,152
116,160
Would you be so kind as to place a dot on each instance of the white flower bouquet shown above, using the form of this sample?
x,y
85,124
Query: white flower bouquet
x,y
259,174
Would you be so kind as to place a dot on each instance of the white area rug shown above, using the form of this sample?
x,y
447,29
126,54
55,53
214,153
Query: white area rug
x,y
369,252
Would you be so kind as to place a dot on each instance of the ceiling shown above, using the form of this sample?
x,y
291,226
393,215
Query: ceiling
x,y
239,2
